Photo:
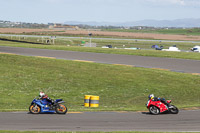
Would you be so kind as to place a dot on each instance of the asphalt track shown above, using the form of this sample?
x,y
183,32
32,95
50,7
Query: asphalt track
x,y
187,121
177,65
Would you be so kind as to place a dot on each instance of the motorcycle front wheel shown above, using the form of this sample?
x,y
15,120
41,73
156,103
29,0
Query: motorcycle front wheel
x,y
34,109
174,110
154,110
61,109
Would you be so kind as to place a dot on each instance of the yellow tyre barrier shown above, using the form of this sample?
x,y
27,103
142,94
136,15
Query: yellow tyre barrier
x,y
94,101
87,100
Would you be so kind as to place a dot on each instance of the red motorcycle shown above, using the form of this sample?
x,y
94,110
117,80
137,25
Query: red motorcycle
x,y
157,107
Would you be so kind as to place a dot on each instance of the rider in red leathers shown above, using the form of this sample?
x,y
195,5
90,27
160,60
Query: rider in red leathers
x,y
151,96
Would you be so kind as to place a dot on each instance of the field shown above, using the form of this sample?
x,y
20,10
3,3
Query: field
x,y
23,77
118,33
193,31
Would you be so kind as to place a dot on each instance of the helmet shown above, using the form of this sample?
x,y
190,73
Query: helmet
x,y
151,96
42,94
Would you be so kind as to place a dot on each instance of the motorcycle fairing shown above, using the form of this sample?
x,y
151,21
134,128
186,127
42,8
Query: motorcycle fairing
x,y
44,105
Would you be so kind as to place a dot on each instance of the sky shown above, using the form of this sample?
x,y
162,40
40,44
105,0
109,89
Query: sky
x,y
60,11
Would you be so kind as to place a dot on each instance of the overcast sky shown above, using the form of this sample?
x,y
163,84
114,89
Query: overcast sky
x,y
59,11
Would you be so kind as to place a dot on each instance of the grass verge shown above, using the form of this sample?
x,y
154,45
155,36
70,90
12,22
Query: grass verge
x,y
121,88
153,53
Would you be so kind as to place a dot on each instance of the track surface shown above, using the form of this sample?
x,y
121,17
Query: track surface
x,y
178,65
102,121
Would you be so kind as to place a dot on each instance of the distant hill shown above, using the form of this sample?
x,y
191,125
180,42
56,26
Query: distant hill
x,y
189,22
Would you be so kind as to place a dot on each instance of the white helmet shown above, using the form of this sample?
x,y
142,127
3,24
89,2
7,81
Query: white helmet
x,y
151,96
41,94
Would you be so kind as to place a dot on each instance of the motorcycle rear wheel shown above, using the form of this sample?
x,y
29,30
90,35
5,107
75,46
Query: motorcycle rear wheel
x,y
174,110
61,109
154,110
34,109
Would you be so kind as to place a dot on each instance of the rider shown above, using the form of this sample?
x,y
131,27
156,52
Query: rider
x,y
151,96
43,96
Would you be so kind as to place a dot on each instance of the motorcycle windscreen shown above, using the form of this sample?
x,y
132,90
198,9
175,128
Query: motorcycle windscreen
x,y
58,100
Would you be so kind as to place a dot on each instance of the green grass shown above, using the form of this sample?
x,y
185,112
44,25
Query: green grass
x,y
153,53
193,31
121,88
81,132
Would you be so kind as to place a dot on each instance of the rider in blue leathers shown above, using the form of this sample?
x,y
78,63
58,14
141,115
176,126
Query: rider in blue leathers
x,y
43,96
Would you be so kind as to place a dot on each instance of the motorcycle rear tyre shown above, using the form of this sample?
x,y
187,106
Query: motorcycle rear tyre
x,y
154,110
58,110
32,111
174,110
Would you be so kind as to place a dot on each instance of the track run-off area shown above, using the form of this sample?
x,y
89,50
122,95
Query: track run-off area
x,y
185,121
170,64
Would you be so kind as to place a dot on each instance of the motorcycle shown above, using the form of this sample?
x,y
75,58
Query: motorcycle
x,y
43,106
157,107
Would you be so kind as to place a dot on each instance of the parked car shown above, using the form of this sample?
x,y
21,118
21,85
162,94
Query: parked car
x,y
196,49
107,46
173,48
157,47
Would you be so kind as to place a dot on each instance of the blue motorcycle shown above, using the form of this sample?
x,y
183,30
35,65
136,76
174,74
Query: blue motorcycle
x,y
43,106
